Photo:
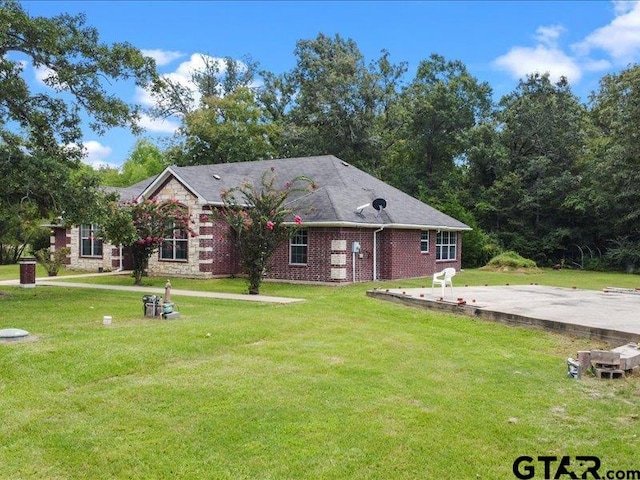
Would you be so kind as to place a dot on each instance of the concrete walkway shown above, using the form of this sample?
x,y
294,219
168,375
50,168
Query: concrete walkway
x,y
66,281
611,316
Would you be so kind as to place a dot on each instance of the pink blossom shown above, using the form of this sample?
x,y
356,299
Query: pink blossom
x,y
298,220
287,185
270,225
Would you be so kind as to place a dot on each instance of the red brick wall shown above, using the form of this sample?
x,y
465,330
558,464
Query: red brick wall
x,y
398,255
61,239
217,254
401,256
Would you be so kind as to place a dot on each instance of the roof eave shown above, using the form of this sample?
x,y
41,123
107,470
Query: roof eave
x,y
162,177
402,226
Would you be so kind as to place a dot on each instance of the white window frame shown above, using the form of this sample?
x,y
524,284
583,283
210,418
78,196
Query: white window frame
x,y
178,237
446,246
90,232
299,241
424,242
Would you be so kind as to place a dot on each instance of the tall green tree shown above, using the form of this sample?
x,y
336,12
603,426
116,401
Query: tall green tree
x,y
76,62
40,132
613,171
528,185
144,161
340,100
216,77
229,128
435,114
221,119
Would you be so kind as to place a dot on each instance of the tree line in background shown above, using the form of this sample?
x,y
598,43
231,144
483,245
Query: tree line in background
x,y
539,171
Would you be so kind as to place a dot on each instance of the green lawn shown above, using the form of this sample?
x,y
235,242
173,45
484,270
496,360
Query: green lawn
x,y
339,386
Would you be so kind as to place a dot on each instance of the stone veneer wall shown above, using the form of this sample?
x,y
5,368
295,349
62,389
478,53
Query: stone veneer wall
x,y
174,190
91,264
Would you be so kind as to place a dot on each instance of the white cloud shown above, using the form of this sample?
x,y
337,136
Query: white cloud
x,y
162,57
158,125
549,35
623,6
522,61
620,39
96,153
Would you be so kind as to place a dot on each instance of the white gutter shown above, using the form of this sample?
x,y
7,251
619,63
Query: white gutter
x,y
377,225
375,253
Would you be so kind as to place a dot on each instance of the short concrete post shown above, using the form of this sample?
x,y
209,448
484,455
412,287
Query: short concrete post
x,y
167,292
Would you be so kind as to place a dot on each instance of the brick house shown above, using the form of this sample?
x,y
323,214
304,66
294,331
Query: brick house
x,y
343,239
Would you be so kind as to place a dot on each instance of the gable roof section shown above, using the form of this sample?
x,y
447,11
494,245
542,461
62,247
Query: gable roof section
x,y
131,192
341,189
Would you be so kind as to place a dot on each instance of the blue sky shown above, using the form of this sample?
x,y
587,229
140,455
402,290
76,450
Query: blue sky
x,y
498,41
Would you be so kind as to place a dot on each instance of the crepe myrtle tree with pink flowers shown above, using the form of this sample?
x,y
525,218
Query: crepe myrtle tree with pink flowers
x,y
143,225
261,221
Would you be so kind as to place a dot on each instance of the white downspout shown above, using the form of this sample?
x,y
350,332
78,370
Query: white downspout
x,y
120,269
375,253
353,266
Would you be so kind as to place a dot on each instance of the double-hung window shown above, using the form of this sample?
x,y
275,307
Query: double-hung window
x,y
446,245
174,246
298,247
424,241
90,241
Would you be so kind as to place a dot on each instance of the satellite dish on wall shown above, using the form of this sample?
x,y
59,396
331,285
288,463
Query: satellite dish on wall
x,y
379,204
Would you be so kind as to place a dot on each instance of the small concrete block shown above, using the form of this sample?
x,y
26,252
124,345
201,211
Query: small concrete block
x,y
604,357
608,373
629,356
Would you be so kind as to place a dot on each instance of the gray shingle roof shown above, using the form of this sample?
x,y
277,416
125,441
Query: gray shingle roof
x,y
130,193
341,189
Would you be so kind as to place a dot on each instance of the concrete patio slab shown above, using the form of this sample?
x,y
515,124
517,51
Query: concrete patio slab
x,y
610,316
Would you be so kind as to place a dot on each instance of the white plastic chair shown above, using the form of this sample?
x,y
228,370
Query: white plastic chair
x,y
443,279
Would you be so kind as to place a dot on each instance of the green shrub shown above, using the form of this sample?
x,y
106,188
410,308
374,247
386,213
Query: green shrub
x,y
510,260
52,262
624,254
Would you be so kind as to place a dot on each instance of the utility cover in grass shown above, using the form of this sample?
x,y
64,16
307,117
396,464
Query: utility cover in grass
x,y
13,334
